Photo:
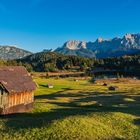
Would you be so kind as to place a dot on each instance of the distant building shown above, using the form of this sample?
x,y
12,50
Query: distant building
x,y
16,90
50,86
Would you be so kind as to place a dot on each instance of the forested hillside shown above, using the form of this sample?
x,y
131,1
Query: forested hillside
x,y
126,64
50,61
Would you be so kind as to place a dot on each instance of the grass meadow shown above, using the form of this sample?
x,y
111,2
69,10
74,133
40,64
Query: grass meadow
x,y
78,110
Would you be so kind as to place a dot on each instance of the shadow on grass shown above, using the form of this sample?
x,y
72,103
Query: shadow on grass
x,y
137,121
83,103
54,95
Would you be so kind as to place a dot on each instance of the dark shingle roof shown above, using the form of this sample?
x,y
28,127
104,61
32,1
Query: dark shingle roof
x,y
16,79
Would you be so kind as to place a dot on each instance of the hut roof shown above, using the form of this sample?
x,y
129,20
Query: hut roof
x,y
16,79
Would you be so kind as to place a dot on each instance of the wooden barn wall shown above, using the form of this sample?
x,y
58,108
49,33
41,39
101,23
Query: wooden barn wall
x,y
10,100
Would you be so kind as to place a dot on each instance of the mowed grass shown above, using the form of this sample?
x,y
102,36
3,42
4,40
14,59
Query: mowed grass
x,y
78,111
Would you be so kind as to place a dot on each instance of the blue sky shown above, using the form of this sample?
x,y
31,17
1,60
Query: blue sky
x,y
43,24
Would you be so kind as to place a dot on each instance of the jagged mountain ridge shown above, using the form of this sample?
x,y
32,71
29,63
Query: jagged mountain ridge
x,y
12,52
127,45
101,48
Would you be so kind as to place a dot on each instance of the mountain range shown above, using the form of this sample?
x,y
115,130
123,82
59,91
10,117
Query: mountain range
x,y
101,48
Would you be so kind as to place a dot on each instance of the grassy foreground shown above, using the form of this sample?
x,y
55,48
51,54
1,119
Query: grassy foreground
x,y
78,111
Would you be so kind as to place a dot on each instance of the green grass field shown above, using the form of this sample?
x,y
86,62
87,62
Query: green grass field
x,y
78,111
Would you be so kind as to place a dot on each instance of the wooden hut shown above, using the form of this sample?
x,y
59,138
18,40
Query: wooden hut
x,y
16,90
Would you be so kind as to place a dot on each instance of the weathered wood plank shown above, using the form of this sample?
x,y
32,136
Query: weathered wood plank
x,y
15,101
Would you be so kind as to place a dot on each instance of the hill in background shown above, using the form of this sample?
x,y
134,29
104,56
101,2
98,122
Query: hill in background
x,y
11,52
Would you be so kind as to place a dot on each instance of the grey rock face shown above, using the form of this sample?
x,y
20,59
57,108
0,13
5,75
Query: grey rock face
x,y
101,48
78,48
11,52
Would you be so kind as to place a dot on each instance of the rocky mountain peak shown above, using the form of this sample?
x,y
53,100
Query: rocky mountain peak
x,y
99,40
74,45
128,36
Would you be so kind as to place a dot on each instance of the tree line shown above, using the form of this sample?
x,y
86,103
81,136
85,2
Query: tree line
x,y
51,61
